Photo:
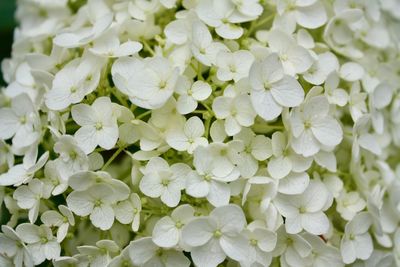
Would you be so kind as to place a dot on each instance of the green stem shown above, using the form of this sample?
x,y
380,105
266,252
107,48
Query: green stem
x,y
144,114
148,47
116,153
208,108
199,75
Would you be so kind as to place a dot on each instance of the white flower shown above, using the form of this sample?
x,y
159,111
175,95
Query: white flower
x,y
23,173
221,15
323,254
62,220
93,19
256,148
142,9
305,211
29,196
168,230
334,94
261,244
325,64
82,181
203,183
12,246
362,139
233,66
236,110
348,204
6,156
20,121
356,242
99,255
73,159
216,236
309,14
97,201
188,138
294,250
294,58
128,211
357,103
99,125
40,241
164,181
143,252
313,127
272,89
108,45
189,95
148,82
74,81
284,160
122,259
203,48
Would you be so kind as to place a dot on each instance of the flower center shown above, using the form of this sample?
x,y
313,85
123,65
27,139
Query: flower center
x,y
217,233
99,126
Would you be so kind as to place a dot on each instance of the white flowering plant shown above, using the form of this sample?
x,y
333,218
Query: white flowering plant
x,y
176,133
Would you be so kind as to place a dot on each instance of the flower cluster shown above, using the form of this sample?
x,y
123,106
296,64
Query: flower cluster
x,y
177,133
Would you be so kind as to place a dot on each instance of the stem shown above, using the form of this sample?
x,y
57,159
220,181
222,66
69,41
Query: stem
x,y
199,75
264,20
207,128
144,114
116,153
208,108
148,47
120,98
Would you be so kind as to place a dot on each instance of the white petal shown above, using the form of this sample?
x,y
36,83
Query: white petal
x,y
201,90
312,16
194,127
151,186
209,255
265,105
230,218
219,194
315,223
165,234
83,114
186,104
86,138
8,123
327,130
351,71
221,107
198,232
79,203
107,137
294,183
279,167
196,186
261,147
288,92
235,247
102,217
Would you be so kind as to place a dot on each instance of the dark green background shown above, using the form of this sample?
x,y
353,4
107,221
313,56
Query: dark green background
x,y
7,24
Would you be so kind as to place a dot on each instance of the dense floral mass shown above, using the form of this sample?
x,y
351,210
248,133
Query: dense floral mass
x,y
201,133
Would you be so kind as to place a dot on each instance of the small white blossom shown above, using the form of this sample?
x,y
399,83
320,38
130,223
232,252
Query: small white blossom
x,y
164,181
40,241
99,125
216,236
272,89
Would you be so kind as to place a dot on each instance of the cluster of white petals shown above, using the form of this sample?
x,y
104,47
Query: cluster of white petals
x,y
177,133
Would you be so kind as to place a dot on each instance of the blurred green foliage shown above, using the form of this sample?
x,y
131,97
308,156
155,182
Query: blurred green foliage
x,y
7,24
